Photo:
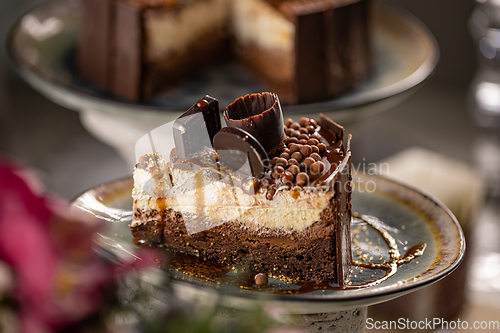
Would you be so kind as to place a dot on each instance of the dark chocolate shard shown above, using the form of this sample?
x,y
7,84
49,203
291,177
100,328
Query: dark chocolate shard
x,y
195,129
261,116
240,151
335,129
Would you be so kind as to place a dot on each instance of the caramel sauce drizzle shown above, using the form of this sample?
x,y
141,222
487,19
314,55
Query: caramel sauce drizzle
x,y
244,278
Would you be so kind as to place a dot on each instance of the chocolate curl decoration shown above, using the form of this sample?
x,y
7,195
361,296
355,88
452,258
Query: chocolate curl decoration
x,y
195,129
261,116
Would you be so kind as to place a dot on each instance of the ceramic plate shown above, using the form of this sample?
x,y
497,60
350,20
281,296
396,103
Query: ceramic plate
x,y
42,49
409,216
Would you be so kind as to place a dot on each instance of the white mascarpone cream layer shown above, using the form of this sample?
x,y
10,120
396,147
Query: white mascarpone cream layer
x,y
210,203
257,22
174,32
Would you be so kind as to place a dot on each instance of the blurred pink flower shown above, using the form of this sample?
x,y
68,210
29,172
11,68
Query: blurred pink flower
x,y
59,278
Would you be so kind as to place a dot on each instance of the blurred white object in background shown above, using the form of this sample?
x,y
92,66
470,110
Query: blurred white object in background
x,y
484,26
484,99
461,188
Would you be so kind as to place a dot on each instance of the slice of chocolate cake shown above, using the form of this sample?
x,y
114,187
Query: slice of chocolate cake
x,y
261,194
304,50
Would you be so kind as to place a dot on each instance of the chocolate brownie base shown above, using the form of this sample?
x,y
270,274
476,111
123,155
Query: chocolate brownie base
x,y
293,257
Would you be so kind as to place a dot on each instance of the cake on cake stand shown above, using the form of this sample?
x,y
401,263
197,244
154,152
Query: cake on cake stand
x,y
412,221
41,47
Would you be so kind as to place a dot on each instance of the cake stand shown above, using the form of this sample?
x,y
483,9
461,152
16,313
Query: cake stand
x,y
409,216
41,47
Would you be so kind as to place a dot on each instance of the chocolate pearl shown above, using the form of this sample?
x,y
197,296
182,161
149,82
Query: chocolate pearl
x,y
315,149
310,129
316,135
304,121
288,131
297,156
292,140
287,177
308,162
288,122
261,280
303,130
286,156
277,171
294,148
302,179
322,148
313,122
313,142
317,167
306,150
296,134
286,150
304,136
270,194
274,160
294,169
293,161
302,141
316,156
282,161
295,126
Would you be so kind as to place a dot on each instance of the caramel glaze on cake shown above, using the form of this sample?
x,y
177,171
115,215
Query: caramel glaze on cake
x,y
305,50
307,182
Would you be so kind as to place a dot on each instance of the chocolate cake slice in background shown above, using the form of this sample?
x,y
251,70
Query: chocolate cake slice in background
x,y
306,51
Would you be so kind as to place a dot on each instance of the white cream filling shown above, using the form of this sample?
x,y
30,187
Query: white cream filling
x,y
210,203
174,32
257,22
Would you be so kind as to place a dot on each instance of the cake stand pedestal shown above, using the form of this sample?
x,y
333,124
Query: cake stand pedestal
x,y
351,320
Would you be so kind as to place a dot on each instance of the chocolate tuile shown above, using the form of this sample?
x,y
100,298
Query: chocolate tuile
x,y
261,116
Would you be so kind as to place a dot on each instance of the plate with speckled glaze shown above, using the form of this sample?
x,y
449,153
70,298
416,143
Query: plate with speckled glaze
x,y
41,47
402,240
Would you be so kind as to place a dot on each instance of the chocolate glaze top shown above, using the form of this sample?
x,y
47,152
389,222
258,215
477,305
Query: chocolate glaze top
x,y
261,116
